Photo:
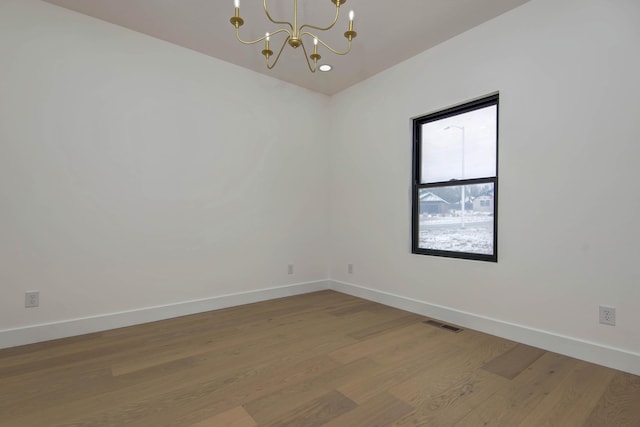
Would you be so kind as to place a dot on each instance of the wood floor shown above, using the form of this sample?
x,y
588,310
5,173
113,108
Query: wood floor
x,y
321,359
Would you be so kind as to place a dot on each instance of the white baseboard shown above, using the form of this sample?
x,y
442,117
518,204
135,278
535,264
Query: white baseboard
x,y
592,352
584,350
72,327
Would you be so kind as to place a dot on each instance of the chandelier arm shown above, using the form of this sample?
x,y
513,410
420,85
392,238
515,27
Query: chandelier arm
x,y
266,11
281,30
284,43
312,69
323,28
326,45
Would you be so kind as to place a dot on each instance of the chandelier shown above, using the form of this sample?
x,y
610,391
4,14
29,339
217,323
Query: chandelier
x,y
295,34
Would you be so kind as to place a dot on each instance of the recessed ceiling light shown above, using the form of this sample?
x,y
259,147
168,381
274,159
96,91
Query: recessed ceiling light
x,y
325,67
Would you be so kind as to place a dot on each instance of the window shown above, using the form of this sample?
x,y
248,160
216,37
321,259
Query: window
x,y
455,181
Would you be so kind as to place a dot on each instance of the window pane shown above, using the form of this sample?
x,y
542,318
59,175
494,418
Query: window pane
x,y
460,147
446,224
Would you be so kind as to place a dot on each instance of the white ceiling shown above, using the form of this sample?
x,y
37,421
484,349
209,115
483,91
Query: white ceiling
x,y
389,31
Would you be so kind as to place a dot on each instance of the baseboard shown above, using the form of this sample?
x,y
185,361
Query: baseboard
x,y
584,350
592,352
68,328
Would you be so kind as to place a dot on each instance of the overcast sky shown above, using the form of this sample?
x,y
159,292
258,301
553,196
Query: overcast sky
x,y
442,147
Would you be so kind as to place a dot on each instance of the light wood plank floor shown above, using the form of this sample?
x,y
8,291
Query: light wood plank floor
x,y
321,359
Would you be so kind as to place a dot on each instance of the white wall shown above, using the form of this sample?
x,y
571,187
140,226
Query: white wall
x,y
569,231
134,173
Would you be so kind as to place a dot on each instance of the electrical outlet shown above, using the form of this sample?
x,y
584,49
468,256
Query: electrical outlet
x,y
350,268
608,315
290,270
31,299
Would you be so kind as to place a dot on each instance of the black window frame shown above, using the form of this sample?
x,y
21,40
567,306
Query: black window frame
x,y
417,184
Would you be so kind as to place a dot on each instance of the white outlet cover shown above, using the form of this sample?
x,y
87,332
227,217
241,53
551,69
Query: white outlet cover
x,y
607,315
31,299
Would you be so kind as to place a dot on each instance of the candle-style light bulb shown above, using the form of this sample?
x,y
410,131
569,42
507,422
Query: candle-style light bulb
x,y
315,56
351,15
267,51
236,21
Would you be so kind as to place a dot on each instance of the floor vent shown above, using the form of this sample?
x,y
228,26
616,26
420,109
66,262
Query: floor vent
x,y
442,325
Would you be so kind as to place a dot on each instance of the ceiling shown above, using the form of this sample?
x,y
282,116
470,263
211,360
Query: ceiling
x,y
389,31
